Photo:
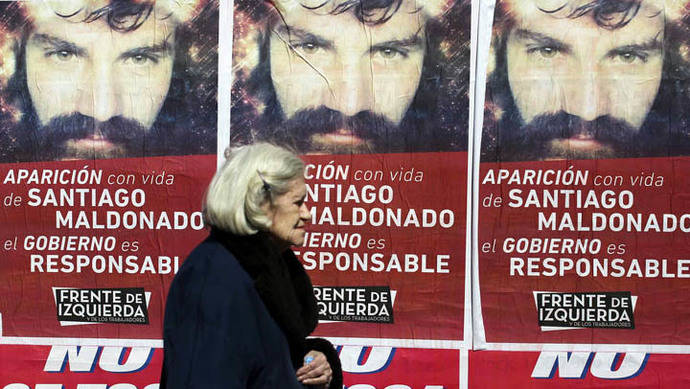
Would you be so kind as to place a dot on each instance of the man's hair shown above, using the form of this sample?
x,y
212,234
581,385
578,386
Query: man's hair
x,y
608,14
121,16
186,123
372,12
666,120
439,111
251,176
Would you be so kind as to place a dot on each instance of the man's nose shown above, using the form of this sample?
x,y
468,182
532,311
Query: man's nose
x,y
352,89
101,98
585,95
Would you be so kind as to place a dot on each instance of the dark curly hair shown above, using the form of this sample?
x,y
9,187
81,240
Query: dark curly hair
x,y
371,12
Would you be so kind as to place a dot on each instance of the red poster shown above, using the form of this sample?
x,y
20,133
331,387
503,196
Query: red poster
x,y
582,201
515,369
375,97
108,137
101,367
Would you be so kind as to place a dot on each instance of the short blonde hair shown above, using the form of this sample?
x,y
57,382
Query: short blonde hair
x,y
250,176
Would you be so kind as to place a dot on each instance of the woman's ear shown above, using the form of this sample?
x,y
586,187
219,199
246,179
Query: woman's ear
x,y
268,209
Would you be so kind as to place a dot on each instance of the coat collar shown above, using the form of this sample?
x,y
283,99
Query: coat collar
x,y
280,280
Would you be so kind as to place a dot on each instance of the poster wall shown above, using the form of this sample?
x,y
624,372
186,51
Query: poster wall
x,y
111,128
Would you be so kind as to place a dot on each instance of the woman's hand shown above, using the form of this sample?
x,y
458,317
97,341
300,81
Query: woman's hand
x,y
316,370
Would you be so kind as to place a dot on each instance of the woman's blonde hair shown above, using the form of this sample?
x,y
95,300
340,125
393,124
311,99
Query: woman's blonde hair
x,y
250,176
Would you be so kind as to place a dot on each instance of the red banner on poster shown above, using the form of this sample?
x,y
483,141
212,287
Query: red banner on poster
x,y
576,370
382,250
585,251
399,368
79,367
91,247
101,367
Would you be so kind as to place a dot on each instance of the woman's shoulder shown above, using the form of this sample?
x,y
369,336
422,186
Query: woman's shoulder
x,y
214,265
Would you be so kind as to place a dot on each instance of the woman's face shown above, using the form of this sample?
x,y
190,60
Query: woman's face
x,y
289,214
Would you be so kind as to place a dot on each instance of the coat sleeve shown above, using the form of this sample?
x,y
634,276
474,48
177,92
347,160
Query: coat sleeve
x,y
215,336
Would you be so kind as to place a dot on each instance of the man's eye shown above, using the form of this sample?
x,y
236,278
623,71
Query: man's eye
x,y
141,59
307,47
62,55
629,57
548,52
389,52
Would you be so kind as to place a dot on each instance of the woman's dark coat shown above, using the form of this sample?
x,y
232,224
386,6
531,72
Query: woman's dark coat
x,y
237,316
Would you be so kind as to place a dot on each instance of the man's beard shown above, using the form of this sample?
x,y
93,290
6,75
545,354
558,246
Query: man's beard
x,y
505,137
323,130
326,131
564,136
76,136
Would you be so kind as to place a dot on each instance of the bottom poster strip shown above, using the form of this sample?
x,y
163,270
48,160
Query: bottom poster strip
x,y
580,370
79,367
399,368
98,367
